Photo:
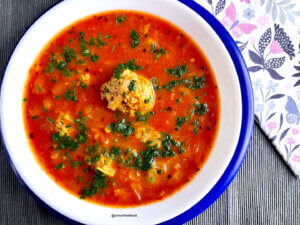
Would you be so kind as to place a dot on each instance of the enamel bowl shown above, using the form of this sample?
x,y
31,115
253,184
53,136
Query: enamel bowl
x,y
236,119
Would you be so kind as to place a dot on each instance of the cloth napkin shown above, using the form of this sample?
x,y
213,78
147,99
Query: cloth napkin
x,y
267,33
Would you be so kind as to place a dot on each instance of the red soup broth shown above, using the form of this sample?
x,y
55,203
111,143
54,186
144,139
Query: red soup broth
x,y
66,120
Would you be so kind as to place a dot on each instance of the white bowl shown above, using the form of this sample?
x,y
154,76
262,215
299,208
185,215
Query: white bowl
x,y
58,200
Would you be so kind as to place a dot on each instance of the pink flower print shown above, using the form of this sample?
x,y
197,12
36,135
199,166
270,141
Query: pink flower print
x,y
290,141
272,125
275,47
295,131
263,20
247,1
296,158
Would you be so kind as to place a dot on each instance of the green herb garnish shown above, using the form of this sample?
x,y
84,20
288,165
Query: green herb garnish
x,y
98,183
130,64
120,19
200,109
124,128
180,121
70,95
135,38
132,86
59,166
178,71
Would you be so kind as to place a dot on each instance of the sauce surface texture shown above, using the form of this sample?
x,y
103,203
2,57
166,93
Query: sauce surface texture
x,y
110,157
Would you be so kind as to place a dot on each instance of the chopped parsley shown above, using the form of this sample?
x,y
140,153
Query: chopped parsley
x,y
130,64
95,158
100,41
94,58
61,65
180,121
196,124
194,83
53,80
108,36
178,71
120,19
70,95
39,88
91,42
147,100
200,109
80,62
145,117
146,158
35,117
127,151
64,141
135,38
90,150
98,183
113,49
83,85
198,82
49,68
124,128
82,136
167,143
117,114
116,151
66,72
44,109
178,101
84,50
154,83
132,86
50,120
59,166
158,52
69,54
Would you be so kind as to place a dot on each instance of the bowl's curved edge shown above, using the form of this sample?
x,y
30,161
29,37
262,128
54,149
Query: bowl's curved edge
x,y
247,117
245,135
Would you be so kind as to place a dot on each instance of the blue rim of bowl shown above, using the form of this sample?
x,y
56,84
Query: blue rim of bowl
x,y
245,134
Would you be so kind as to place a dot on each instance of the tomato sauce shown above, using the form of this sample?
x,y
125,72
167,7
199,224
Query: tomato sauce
x,y
63,92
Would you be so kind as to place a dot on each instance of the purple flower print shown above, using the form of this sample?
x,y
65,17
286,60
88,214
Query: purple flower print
x,y
272,125
284,41
280,43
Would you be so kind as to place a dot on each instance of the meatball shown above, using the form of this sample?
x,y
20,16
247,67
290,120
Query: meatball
x,y
130,94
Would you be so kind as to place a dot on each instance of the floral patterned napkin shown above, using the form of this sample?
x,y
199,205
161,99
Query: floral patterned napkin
x,y
268,35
